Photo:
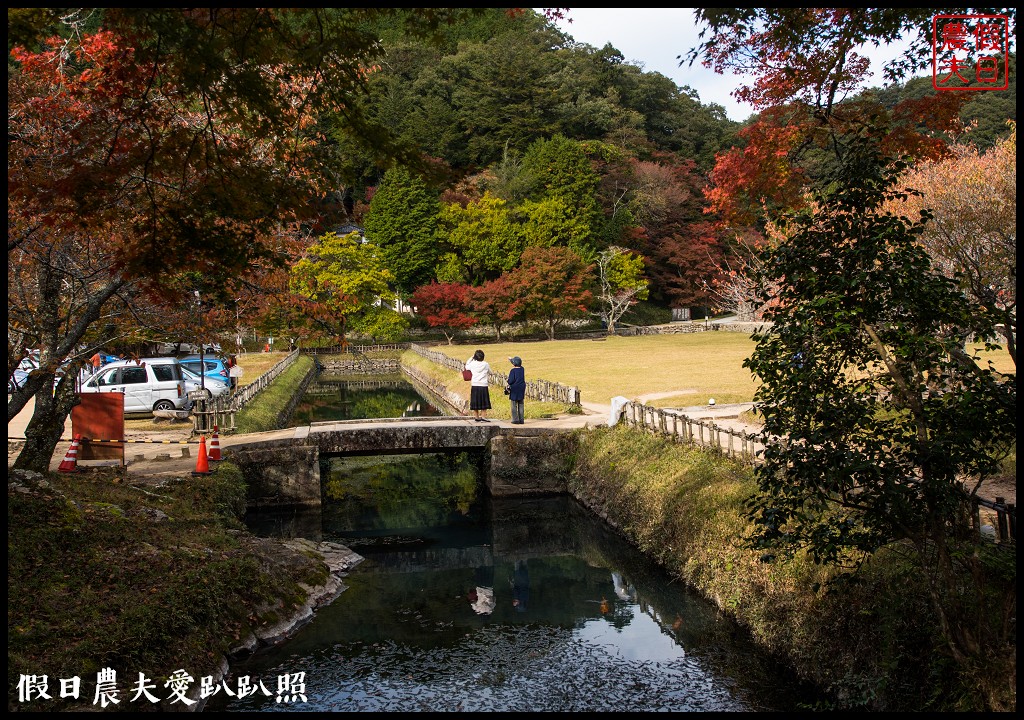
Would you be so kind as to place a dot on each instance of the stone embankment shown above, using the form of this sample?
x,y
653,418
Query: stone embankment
x,y
339,560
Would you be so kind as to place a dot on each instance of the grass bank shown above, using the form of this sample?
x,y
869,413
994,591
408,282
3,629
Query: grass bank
x,y
872,643
140,579
264,412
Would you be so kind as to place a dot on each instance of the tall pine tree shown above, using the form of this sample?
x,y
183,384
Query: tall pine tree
x,y
401,221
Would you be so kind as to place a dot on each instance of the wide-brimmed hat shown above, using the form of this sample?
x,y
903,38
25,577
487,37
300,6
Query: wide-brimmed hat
x,y
515,361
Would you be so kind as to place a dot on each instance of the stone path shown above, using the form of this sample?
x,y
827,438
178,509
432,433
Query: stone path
x,y
173,452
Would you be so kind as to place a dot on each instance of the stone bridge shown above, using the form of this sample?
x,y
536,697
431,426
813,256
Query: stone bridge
x,y
282,468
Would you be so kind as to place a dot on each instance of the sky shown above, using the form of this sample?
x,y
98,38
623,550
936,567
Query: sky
x,y
652,38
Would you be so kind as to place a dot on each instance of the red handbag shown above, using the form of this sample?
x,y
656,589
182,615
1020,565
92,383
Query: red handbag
x,y
467,374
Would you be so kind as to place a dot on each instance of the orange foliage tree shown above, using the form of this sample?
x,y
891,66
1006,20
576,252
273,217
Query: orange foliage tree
x,y
807,63
972,197
171,146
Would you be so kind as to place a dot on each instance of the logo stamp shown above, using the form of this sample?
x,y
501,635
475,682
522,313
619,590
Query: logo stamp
x,y
970,52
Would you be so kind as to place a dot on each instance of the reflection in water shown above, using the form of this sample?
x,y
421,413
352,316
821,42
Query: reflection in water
x,y
467,603
335,398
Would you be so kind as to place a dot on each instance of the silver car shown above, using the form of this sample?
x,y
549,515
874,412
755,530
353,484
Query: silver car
x,y
214,388
147,384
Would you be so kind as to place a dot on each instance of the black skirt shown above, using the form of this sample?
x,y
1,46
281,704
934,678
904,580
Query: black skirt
x,y
479,398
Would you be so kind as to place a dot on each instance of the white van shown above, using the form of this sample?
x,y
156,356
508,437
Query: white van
x,y
148,384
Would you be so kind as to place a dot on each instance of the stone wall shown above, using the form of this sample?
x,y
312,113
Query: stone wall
x,y
285,415
282,474
361,366
530,465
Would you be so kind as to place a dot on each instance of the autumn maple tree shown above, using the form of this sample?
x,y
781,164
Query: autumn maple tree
x,y
495,302
169,140
444,306
554,285
972,198
807,64
680,241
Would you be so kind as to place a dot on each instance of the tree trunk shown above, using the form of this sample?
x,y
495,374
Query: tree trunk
x,y
45,428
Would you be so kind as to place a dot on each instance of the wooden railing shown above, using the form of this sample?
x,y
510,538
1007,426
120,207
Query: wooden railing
x,y
733,443
1004,529
746,447
220,412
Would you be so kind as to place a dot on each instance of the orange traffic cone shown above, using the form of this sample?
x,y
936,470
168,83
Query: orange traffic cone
x,y
70,462
202,462
215,446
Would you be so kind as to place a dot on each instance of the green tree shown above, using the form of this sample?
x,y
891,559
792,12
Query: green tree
x,y
551,222
380,323
483,241
621,284
559,168
879,425
346,278
401,221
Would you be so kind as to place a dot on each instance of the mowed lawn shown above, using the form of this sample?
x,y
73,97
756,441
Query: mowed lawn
x,y
684,369
256,363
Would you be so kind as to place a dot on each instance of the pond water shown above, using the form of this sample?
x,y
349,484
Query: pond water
x,y
331,398
470,603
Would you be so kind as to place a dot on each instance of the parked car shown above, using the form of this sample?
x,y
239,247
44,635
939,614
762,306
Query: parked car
x,y
214,387
28,363
215,367
148,384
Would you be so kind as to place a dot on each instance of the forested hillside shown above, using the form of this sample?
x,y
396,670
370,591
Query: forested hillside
x,y
652,173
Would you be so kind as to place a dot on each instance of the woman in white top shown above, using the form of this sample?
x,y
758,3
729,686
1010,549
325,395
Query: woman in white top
x,y
479,394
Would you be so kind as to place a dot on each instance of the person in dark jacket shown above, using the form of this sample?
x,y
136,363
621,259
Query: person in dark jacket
x,y
517,390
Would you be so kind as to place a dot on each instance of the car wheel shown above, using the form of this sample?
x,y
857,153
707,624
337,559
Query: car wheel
x,y
163,405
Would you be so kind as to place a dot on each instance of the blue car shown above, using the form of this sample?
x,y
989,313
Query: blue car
x,y
210,366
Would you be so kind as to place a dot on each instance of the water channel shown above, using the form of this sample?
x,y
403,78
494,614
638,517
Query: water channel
x,y
470,603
